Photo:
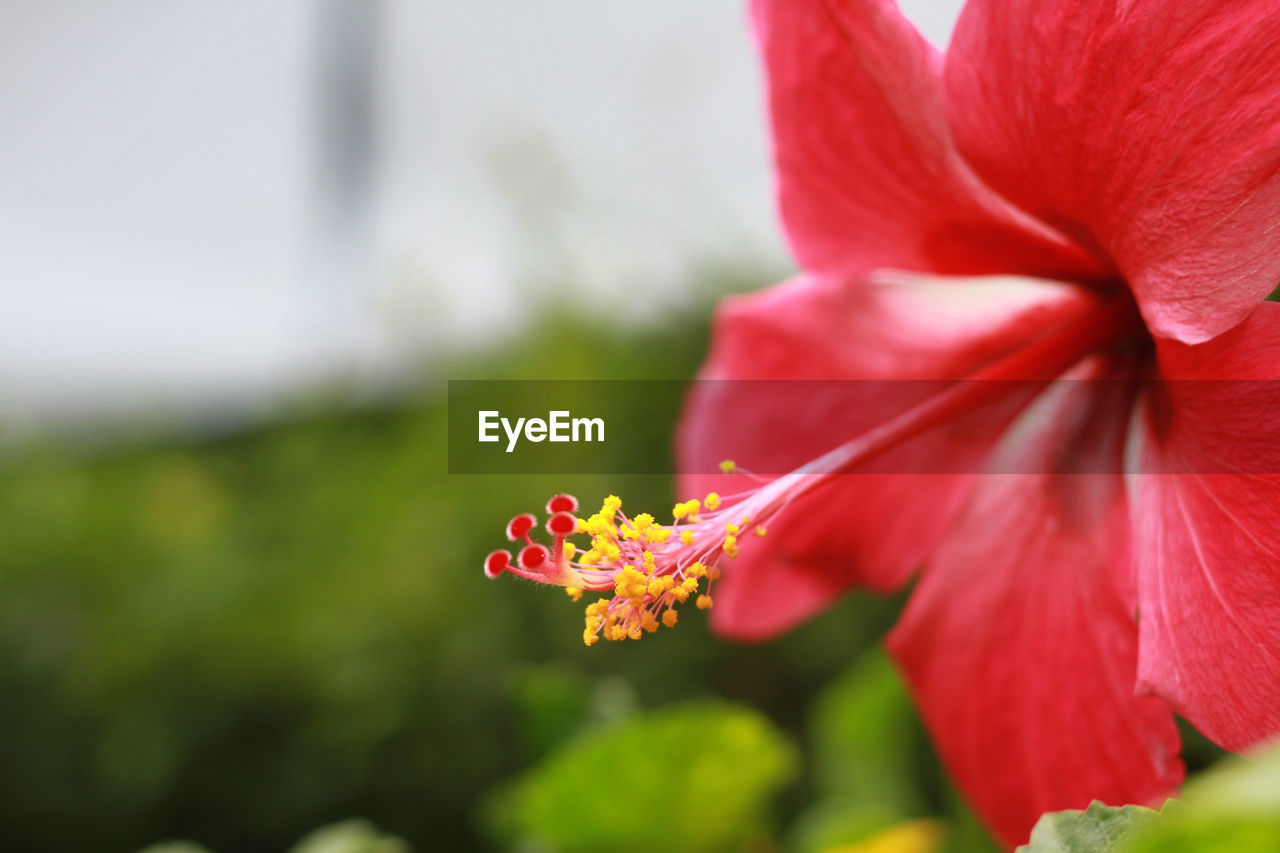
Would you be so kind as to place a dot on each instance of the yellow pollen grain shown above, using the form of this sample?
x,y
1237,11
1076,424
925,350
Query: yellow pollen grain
x,y
686,537
573,592
669,618
760,531
712,501
728,466
656,534
659,585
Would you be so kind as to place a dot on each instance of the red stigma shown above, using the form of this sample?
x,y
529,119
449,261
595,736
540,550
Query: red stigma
x,y
520,526
562,503
496,563
533,556
561,524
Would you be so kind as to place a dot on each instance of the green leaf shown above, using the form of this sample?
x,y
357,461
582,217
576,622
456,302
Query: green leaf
x,y
1097,829
866,738
695,777
1232,808
1239,787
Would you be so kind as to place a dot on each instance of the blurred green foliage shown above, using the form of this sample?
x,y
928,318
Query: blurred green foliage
x,y
350,836
240,638
692,778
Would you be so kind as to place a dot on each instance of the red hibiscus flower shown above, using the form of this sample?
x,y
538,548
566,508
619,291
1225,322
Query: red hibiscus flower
x,y
1080,190
1129,152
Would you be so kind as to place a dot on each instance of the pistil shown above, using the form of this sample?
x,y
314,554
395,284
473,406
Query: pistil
x,y
651,568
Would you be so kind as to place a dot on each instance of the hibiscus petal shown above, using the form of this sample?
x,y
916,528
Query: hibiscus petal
x,y
1148,129
1209,541
867,173
1019,642
869,529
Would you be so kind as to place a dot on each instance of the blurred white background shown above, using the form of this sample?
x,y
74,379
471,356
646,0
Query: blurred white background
x,y
208,203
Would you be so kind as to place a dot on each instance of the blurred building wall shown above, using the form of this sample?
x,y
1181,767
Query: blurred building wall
x,y
206,201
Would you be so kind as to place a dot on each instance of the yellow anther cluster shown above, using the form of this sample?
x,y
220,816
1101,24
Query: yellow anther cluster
x,y
686,509
639,595
573,592
644,528
728,466
649,576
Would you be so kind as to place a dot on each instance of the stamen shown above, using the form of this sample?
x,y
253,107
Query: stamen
x,y
645,568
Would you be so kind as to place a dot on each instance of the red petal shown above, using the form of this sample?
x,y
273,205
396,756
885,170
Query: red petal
x,y
1019,642
867,529
1148,129
1209,542
868,176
